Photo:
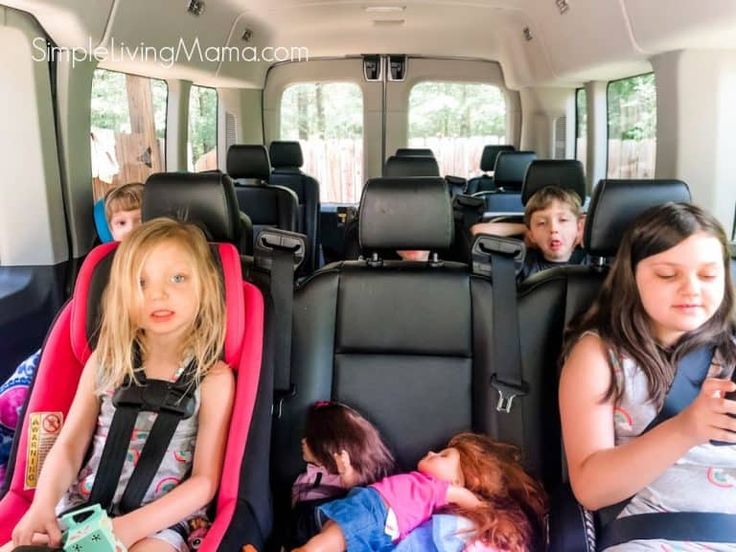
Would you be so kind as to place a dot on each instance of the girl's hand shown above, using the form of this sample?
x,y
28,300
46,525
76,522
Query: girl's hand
x,y
707,418
38,519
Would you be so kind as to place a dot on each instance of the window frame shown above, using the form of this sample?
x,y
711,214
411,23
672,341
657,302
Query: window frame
x,y
217,124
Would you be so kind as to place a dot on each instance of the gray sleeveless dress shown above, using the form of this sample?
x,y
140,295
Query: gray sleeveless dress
x,y
175,466
704,480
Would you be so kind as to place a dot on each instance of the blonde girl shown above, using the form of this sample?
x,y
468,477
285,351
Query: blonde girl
x,y
165,299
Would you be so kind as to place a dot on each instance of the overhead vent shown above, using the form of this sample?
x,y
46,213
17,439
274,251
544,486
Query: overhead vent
x,y
563,6
527,33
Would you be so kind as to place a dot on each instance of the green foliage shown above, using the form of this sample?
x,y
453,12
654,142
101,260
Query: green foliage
x,y
202,121
323,111
457,110
632,108
109,102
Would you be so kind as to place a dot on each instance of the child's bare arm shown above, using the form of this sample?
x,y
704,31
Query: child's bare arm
x,y
217,391
63,461
498,228
462,497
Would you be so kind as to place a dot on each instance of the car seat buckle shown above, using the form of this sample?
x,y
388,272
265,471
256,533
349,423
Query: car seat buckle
x,y
507,392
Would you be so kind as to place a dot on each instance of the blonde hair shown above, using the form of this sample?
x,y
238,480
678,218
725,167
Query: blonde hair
x,y
543,198
127,197
120,333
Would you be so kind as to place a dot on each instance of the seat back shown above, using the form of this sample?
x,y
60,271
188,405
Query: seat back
x,y
414,152
510,169
415,360
286,159
266,206
411,166
563,173
207,198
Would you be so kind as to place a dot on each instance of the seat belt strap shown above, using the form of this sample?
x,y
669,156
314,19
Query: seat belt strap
x,y
177,406
672,526
113,457
282,293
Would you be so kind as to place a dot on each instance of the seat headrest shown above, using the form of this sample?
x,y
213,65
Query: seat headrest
x,y
563,173
411,166
285,154
205,199
248,161
510,169
616,203
405,213
488,158
414,152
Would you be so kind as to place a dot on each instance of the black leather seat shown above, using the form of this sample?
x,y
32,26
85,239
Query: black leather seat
x,y
207,198
404,342
414,152
563,173
286,160
265,205
508,177
484,183
411,166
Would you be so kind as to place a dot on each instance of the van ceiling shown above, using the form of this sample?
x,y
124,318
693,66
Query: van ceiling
x,y
599,39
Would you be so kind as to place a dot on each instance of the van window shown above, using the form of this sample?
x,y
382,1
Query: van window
x,y
202,142
327,120
581,125
632,127
456,120
128,129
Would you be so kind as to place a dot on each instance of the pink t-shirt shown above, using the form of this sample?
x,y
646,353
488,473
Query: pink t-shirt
x,y
413,497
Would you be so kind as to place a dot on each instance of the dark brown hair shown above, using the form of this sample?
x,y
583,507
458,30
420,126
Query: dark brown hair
x,y
333,427
513,514
541,199
624,325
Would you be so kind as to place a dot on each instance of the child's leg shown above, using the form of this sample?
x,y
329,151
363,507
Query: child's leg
x,y
330,539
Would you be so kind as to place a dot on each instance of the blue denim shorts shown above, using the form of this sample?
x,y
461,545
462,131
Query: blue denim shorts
x,y
362,518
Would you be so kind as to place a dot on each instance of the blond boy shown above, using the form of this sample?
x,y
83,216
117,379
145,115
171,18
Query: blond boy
x,y
553,226
123,209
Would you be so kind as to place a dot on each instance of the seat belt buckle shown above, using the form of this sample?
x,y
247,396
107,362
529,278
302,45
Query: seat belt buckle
x,y
486,246
271,241
507,392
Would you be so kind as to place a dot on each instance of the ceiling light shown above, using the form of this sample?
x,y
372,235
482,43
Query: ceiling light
x,y
384,9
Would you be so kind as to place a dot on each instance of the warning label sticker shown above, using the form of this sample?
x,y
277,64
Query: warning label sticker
x,y
43,430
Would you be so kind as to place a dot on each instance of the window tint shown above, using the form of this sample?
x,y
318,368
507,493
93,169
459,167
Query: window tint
x,y
632,127
202,142
327,120
128,129
456,120
581,125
